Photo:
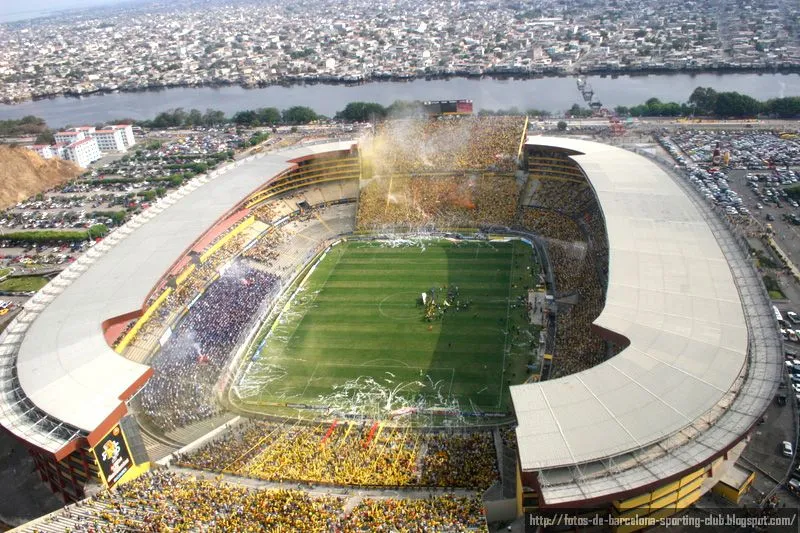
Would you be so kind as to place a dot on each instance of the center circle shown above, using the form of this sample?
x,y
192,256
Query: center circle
x,y
401,306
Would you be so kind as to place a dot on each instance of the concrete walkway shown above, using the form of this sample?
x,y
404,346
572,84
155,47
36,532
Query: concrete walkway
x,y
785,259
411,493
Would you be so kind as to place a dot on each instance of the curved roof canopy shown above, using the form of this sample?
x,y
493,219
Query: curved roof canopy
x,y
670,293
64,365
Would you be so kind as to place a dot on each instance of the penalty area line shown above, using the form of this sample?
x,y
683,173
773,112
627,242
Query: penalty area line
x,y
311,377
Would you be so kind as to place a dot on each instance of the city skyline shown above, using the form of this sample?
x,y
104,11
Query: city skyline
x,y
256,44
12,11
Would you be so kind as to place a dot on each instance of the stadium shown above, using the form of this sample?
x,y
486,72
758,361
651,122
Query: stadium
x,y
546,323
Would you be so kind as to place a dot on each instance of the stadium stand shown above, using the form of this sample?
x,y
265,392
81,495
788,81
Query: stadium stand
x,y
635,272
350,454
667,370
188,365
165,501
444,145
61,413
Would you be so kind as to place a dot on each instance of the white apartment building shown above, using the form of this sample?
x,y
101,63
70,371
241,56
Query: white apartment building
x,y
43,150
86,130
83,152
69,137
110,140
59,150
127,133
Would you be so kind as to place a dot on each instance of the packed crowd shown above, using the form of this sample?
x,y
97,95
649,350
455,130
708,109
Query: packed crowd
x,y
445,145
350,454
444,513
569,197
445,201
190,362
563,207
186,291
165,501
579,269
551,224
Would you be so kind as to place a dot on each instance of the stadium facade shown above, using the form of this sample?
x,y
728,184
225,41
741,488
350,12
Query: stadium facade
x,y
696,356
650,430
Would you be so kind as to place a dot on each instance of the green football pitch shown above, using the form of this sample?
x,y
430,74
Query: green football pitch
x,y
354,338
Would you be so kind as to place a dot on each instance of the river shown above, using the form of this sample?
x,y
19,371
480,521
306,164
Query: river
x,y
551,94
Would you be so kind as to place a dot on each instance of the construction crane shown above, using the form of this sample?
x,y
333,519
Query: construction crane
x,y
588,94
616,125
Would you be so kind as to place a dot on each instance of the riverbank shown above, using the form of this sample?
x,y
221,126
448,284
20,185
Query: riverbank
x,y
553,94
491,74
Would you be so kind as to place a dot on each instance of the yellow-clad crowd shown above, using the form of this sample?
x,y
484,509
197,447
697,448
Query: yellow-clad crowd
x,y
350,454
163,501
449,201
469,143
425,515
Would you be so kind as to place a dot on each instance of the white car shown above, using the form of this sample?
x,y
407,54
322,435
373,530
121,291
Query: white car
x,y
786,449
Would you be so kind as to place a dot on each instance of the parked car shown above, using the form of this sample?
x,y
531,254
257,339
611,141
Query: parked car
x,y
793,317
786,449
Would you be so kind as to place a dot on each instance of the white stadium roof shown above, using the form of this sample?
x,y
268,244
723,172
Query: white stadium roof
x,y
63,363
671,293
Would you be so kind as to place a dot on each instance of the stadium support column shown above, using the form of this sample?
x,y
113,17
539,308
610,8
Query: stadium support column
x,y
364,165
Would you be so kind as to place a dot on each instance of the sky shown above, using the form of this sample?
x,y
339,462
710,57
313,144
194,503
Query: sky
x,y
13,10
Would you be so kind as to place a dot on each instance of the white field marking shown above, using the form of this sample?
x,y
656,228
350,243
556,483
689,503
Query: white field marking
x,y
309,379
382,312
402,364
287,314
452,378
508,314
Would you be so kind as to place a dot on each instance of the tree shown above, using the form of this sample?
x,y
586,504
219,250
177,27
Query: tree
x,y
213,117
98,230
733,104
268,115
533,112
194,118
562,126
362,112
783,107
27,125
576,111
703,100
170,119
299,115
245,118
46,137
